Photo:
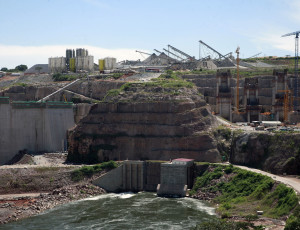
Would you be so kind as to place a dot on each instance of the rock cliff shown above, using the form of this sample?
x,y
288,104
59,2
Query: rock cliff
x,y
145,121
275,152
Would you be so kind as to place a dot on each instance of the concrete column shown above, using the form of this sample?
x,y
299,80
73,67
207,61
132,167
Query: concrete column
x,y
230,113
130,176
259,117
248,116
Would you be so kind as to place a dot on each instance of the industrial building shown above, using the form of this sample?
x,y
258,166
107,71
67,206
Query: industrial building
x,y
74,61
107,63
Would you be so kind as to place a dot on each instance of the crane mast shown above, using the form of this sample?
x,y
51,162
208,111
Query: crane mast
x,y
237,79
296,66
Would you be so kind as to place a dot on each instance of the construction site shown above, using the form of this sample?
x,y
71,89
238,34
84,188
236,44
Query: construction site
x,y
253,91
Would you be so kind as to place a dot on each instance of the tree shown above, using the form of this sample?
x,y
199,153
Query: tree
x,y
38,68
21,67
4,69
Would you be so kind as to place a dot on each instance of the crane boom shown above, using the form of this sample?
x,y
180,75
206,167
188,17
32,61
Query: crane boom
x,y
173,54
157,51
229,54
142,52
220,55
254,55
293,33
181,52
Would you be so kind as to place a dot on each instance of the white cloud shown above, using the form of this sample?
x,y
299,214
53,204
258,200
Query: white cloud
x,y
277,42
11,56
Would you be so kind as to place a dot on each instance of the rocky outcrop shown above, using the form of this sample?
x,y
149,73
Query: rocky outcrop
x,y
274,152
145,123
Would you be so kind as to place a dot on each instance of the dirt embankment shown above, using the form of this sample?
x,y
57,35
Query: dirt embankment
x,y
37,183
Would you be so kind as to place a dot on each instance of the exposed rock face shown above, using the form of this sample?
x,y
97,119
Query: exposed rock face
x,y
96,90
278,153
144,123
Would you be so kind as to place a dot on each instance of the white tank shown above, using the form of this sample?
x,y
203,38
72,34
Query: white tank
x,y
85,63
57,64
110,63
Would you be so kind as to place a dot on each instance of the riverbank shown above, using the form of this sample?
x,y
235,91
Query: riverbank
x,y
14,207
241,196
38,183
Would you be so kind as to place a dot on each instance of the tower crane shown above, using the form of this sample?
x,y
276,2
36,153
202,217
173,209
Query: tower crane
x,y
296,33
286,103
237,79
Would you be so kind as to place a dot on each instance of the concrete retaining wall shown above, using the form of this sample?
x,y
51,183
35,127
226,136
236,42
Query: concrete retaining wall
x,y
33,129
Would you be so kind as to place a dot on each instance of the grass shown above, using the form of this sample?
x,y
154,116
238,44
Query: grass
x,y
169,80
246,192
88,171
217,224
63,77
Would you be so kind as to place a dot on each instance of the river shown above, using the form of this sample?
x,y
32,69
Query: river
x,y
120,211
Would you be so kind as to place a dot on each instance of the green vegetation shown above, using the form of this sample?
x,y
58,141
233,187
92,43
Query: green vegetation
x,y
117,75
169,80
19,68
88,171
218,224
223,131
241,191
21,84
293,222
63,77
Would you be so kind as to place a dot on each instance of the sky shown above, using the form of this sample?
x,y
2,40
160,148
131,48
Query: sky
x,y
33,30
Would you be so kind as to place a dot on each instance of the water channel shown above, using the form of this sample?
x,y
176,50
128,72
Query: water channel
x,y
121,211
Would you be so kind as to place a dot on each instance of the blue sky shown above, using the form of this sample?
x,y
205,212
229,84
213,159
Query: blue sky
x,y
33,30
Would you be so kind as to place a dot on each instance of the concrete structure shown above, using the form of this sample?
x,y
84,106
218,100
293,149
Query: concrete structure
x,y
127,177
170,178
261,98
36,127
57,64
175,177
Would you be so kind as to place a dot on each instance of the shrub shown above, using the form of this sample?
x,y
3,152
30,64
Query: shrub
x,y
63,77
88,171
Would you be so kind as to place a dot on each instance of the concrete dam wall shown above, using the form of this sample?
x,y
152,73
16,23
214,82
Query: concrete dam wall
x,y
36,127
